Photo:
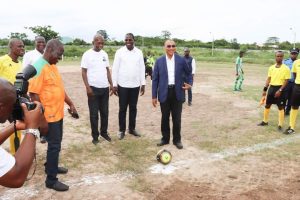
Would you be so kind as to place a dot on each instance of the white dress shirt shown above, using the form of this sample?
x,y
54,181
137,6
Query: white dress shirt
x,y
171,70
7,161
193,66
128,68
30,57
96,64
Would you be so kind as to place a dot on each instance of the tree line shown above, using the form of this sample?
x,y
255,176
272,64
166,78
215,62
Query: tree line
x,y
48,33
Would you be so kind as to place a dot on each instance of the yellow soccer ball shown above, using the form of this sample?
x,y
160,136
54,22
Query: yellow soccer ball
x,y
164,156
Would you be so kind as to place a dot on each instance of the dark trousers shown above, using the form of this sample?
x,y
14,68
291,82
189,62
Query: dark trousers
x,y
54,138
289,90
127,97
190,96
98,104
173,106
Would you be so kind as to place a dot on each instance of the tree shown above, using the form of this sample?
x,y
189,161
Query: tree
x,y
166,34
285,45
78,41
234,44
272,41
21,36
104,34
221,43
44,31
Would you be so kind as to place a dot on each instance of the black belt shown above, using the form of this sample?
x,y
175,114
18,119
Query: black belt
x,y
171,86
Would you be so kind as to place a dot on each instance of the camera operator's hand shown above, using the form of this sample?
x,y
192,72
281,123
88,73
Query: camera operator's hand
x,y
20,125
32,118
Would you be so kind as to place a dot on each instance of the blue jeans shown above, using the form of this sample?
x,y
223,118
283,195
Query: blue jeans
x,y
54,138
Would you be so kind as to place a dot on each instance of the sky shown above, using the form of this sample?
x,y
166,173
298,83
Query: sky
x,y
248,21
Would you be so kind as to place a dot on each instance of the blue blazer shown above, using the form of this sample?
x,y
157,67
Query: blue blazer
x,y
183,73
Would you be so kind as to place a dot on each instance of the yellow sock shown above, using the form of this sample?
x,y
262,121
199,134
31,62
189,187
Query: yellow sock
x,y
266,115
280,117
293,117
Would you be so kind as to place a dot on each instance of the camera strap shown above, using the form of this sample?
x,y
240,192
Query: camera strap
x,y
16,139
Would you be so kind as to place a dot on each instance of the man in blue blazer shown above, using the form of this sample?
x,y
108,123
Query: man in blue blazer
x,y
171,76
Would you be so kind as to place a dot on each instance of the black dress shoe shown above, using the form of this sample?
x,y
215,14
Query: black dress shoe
x,y
162,143
134,132
178,145
121,135
58,186
106,136
95,141
62,170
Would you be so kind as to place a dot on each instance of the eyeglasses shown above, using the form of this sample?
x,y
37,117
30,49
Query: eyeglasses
x,y
169,46
128,40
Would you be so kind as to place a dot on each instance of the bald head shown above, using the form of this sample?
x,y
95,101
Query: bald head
x,y
98,42
7,99
7,91
40,43
53,51
98,36
12,42
53,44
16,48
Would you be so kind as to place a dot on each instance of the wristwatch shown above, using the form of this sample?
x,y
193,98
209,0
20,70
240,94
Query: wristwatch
x,y
34,132
280,90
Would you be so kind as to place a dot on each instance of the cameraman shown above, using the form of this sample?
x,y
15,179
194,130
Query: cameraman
x,y
14,170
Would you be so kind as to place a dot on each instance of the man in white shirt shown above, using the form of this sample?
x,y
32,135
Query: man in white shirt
x,y
31,56
128,75
97,79
14,170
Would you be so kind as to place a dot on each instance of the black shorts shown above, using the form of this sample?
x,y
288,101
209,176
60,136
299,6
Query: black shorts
x,y
295,101
280,101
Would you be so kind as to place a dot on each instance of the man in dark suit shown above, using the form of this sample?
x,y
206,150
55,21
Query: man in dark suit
x,y
168,84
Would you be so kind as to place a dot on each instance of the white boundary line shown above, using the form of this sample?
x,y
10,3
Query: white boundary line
x,y
170,168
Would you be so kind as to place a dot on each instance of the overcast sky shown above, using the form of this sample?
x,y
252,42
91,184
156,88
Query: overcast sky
x,y
247,20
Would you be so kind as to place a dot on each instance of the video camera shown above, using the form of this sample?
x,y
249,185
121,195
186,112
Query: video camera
x,y
21,86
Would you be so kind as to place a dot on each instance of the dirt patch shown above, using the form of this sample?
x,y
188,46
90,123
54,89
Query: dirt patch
x,y
179,190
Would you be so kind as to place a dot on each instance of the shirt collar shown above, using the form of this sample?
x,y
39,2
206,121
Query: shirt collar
x,y
172,59
133,50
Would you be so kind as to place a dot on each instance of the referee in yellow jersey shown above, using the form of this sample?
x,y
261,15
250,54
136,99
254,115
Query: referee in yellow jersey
x,y
278,76
9,67
295,100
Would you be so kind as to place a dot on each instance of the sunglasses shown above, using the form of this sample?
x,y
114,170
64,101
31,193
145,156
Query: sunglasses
x,y
169,46
128,40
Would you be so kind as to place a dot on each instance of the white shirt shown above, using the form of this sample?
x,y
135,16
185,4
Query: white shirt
x,y
171,70
96,64
7,162
129,68
30,57
193,66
